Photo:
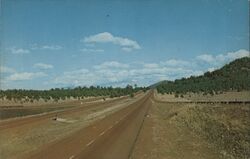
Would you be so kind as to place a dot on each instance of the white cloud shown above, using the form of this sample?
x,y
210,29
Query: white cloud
x,y
105,37
89,44
116,73
77,72
172,72
76,78
111,64
151,65
127,49
223,58
174,62
4,69
25,76
43,66
206,58
211,69
19,51
119,74
91,50
46,47
51,47
238,54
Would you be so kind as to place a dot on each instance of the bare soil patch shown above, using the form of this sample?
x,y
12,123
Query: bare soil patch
x,y
6,113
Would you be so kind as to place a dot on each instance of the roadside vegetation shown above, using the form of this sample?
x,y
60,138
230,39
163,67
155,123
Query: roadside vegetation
x,y
234,76
66,93
226,127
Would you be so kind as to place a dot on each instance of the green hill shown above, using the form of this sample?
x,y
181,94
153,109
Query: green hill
x,y
232,76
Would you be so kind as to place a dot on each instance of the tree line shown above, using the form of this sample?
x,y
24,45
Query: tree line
x,y
233,76
64,93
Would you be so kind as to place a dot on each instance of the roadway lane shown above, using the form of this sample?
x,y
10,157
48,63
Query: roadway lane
x,y
35,119
112,137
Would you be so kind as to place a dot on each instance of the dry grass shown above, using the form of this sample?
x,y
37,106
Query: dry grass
x,y
162,138
41,102
224,96
225,126
169,98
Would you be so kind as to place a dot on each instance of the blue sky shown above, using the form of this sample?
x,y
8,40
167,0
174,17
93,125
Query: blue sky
x,y
60,43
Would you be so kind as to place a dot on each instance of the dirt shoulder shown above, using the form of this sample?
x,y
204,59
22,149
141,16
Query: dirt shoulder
x,y
162,138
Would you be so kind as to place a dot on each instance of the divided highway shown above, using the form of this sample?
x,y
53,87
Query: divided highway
x,y
111,137
35,119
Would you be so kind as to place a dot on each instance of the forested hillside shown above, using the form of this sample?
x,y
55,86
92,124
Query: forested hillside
x,y
232,76
62,93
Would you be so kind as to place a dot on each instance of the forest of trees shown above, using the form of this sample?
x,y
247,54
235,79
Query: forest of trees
x,y
233,76
63,93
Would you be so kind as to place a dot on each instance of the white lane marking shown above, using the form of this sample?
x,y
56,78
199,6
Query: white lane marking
x,y
102,133
91,142
71,157
110,127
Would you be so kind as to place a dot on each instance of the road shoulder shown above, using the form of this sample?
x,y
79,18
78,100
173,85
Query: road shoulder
x,y
161,138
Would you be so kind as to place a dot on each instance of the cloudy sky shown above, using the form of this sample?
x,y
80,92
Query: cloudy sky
x,y
62,43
